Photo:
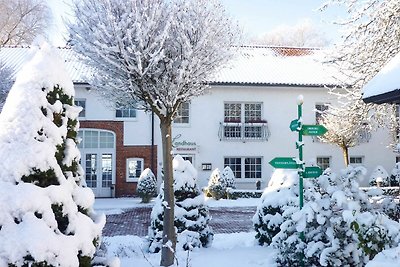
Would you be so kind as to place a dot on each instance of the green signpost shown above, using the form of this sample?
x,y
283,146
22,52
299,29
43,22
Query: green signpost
x,y
313,130
283,163
292,163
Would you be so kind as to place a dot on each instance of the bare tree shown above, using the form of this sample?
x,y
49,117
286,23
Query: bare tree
x,y
155,55
370,41
22,20
345,129
303,34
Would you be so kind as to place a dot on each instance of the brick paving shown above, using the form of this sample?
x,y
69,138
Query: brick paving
x,y
135,221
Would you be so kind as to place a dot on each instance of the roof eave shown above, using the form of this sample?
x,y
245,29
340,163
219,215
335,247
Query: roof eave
x,y
392,97
270,84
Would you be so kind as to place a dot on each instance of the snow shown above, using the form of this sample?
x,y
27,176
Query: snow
x,y
387,79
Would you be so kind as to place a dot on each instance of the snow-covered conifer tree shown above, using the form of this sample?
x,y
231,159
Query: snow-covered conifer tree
x,y
339,226
154,55
229,177
5,83
281,193
147,185
379,177
191,213
46,212
216,185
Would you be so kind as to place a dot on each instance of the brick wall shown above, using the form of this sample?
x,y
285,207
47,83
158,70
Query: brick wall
x,y
123,188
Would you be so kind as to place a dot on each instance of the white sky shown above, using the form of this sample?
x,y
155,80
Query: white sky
x,y
255,16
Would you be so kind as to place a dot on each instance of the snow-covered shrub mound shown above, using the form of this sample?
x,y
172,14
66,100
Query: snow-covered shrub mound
x,y
191,213
229,177
337,222
379,177
216,185
281,193
147,185
46,213
395,175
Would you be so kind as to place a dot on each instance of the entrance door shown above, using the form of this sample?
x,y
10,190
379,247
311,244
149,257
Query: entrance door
x,y
98,161
98,173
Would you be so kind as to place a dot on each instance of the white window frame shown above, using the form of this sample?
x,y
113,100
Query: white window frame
x,y
243,167
82,113
356,158
123,117
321,164
134,178
180,119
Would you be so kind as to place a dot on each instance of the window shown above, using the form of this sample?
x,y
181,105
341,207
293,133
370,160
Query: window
x,y
81,103
125,112
397,159
244,167
243,121
356,161
96,139
324,162
319,109
134,167
182,114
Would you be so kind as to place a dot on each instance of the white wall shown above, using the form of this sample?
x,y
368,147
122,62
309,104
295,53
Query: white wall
x,y
279,109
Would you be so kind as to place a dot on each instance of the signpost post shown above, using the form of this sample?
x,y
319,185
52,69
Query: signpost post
x,y
292,163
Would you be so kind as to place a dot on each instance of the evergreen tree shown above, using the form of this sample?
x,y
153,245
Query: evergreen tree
x,y
282,192
216,185
395,175
191,213
229,177
147,185
49,218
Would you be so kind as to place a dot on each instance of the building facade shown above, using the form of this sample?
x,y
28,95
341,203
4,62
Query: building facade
x,y
241,121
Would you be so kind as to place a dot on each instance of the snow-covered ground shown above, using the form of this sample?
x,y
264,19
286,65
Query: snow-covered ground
x,y
237,249
227,250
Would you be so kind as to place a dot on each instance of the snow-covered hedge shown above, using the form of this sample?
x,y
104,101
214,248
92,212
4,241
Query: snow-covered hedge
x,y
147,186
191,213
238,193
338,224
46,212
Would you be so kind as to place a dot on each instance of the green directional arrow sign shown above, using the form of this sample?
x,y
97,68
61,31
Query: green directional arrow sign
x,y
312,172
314,130
294,125
283,163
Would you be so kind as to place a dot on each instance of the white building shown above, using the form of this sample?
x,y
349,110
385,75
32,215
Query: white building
x,y
242,121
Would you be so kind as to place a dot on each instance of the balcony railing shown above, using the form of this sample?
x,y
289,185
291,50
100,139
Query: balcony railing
x,y
244,131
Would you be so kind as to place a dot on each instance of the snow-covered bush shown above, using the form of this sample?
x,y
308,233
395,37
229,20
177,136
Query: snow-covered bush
x,y
338,224
229,177
379,177
282,192
395,175
46,212
191,213
147,186
216,185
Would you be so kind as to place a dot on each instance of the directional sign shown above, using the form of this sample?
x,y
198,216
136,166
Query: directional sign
x,y
314,130
294,125
312,172
284,163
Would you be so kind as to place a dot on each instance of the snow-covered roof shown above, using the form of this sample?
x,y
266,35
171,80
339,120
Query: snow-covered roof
x,y
15,57
261,65
251,65
384,87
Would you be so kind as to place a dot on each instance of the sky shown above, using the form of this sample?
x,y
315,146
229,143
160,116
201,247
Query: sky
x,y
254,16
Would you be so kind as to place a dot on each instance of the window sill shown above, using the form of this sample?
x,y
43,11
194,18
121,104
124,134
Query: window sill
x,y
132,180
125,119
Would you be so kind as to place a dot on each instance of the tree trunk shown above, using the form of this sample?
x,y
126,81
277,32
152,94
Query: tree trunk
x,y
169,236
345,150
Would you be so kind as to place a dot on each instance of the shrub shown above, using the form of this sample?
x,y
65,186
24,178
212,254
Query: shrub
x,y
216,185
191,213
379,177
147,186
229,177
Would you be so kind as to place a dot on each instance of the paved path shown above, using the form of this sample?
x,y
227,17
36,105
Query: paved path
x,y
136,221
